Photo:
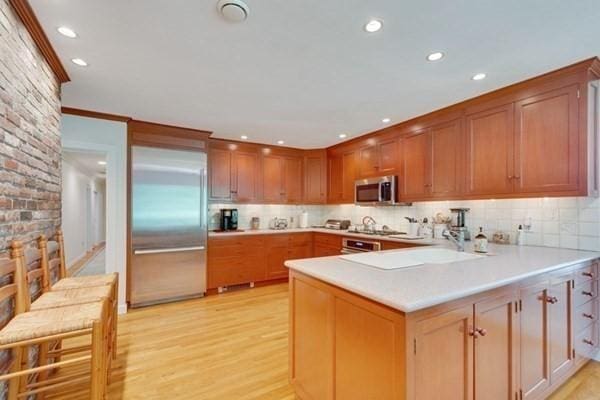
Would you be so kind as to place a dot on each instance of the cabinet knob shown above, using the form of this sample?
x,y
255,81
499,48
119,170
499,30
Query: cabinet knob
x,y
588,316
589,342
552,300
473,332
510,177
481,331
586,293
588,274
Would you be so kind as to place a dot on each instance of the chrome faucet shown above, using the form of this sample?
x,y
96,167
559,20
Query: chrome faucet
x,y
458,238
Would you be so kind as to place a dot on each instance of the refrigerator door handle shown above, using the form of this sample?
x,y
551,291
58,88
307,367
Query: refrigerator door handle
x,y
172,250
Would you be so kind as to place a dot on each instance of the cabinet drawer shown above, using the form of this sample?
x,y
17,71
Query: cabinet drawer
x,y
236,250
586,274
585,315
586,343
235,270
585,292
328,239
236,240
300,239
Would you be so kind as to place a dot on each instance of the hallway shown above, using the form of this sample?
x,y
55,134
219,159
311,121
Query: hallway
x,y
94,266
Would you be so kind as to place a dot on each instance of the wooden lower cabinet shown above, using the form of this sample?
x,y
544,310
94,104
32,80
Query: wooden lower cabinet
x,y
517,342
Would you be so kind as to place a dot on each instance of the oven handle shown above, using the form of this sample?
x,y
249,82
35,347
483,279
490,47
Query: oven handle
x,y
350,251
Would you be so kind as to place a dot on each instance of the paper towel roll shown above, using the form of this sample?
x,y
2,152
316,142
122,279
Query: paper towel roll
x,y
304,220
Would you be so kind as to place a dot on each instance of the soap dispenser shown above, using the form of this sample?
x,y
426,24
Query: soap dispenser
x,y
481,242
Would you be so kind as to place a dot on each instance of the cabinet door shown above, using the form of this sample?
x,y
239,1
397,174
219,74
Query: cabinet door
x,y
292,188
349,176
490,151
388,157
368,164
272,179
444,356
315,180
276,256
335,179
366,354
220,174
322,250
245,177
415,157
496,348
560,308
547,142
446,159
312,361
533,340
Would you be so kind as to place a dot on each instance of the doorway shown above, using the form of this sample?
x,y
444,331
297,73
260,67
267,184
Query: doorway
x,y
84,211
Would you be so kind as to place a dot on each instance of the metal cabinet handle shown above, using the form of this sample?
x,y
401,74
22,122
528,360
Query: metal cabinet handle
x,y
173,250
589,342
586,293
588,316
552,300
588,274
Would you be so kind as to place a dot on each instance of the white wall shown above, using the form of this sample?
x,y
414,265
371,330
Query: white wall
x,y
81,133
75,224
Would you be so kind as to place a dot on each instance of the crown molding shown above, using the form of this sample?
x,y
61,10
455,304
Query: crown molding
x,y
27,16
94,114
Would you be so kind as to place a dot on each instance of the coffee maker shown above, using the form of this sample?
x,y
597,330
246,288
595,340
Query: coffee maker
x,y
228,219
460,225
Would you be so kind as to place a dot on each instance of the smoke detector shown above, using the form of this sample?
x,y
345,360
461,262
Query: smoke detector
x,y
233,10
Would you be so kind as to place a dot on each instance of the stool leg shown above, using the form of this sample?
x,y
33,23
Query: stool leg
x,y
14,385
43,360
99,354
115,320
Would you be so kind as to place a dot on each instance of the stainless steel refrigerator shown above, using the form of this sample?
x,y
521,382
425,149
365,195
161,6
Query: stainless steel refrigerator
x,y
168,225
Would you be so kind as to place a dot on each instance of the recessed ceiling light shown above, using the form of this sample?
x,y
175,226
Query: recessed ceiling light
x,y
68,32
101,162
79,62
478,77
244,137
373,25
280,142
438,55
385,120
343,135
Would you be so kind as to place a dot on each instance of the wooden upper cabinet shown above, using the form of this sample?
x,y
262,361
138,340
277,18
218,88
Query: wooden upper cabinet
x,y
273,175
533,339
444,356
547,142
496,348
335,177
292,179
315,177
378,159
415,169
349,173
446,162
245,172
220,174
489,151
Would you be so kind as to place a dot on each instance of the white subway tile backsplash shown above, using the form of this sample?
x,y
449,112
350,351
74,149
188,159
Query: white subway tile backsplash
x,y
556,222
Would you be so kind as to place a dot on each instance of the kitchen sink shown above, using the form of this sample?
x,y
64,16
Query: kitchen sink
x,y
410,258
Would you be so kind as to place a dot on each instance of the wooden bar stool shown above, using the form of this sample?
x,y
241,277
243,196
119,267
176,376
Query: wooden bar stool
x,y
29,328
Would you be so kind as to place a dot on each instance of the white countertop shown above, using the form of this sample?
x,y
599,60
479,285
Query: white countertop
x,y
321,230
418,287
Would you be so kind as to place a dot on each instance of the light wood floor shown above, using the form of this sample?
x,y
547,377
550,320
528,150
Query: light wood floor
x,y
227,347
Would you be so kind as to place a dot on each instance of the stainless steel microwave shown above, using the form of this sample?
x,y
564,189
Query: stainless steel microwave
x,y
376,191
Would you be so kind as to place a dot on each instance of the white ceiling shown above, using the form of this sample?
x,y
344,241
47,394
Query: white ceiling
x,y
87,162
305,71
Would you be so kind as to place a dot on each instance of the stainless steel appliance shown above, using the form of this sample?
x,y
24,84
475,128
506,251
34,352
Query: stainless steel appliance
x,y
461,224
278,223
376,191
337,224
169,225
350,246
229,219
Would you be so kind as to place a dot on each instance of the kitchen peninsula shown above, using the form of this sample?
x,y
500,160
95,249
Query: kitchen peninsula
x,y
512,325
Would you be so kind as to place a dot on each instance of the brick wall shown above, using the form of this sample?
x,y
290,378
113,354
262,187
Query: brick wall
x,y
30,179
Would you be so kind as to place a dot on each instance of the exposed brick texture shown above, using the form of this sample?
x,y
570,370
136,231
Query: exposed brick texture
x,y
30,179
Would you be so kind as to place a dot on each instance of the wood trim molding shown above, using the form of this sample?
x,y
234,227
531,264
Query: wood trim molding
x,y
94,114
166,136
32,24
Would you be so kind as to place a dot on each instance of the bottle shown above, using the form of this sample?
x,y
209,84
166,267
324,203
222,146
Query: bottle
x,y
519,239
481,242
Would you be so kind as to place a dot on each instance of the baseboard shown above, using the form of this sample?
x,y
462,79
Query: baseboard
x,y
597,356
